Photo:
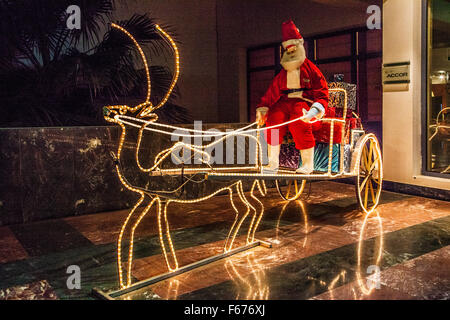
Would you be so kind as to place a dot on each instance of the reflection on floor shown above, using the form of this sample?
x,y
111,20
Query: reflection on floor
x,y
324,248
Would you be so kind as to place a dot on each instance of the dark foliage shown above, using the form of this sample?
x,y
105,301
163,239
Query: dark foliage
x,y
53,76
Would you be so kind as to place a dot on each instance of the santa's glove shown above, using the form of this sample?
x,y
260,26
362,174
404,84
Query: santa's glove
x,y
316,111
261,115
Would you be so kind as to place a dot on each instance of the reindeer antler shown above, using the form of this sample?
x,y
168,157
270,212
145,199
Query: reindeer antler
x,y
147,105
147,71
169,39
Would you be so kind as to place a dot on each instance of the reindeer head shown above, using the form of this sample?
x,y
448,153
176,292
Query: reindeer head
x,y
146,109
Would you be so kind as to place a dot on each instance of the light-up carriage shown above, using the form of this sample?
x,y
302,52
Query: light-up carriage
x,y
343,150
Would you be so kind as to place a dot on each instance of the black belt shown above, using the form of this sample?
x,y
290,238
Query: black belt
x,y
288,91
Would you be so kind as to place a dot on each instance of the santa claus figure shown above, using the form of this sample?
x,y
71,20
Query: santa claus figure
x,y
298,91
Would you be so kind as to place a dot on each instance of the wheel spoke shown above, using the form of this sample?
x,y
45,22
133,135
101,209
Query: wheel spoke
x,y
372,191
366,195
364,183
364,158
369,158
372,166
377,162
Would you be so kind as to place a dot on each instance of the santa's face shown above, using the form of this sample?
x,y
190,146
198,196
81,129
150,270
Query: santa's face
x,y
294,55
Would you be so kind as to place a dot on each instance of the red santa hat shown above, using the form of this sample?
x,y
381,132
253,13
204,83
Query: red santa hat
x,y
291,34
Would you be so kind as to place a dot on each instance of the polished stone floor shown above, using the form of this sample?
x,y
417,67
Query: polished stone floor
x,y
324,247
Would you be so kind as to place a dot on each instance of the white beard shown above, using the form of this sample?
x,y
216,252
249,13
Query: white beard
x,y
294,61
292,65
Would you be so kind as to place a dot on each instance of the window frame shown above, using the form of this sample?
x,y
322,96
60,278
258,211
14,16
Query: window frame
x,y
355,58
273,67
426,87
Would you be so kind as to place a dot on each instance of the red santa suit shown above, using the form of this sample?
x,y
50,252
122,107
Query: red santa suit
x,y
297,92
285,105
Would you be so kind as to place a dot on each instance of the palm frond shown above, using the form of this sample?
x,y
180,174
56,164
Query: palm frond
x,y
172,113
95,15
59,76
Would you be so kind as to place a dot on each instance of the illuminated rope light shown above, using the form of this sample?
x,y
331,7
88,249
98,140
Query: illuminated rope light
x,y
141,216
334,281
227,245
361,284
147,104
252,231
242,197
195,170
120,110
168,126
330,150
181,145
175,77
359,158
261,292
117,114
241,131
304,215
208,133
258,154
363,288
147,70
169,239
169,289
277,175
119,246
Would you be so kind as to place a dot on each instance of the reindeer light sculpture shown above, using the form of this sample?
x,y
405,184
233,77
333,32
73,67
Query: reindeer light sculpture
x,y
143,117
362,152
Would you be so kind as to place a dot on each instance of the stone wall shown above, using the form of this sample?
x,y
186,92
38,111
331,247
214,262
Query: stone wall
x,y
58,172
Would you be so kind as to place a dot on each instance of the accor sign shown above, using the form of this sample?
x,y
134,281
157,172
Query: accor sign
x,y
396,73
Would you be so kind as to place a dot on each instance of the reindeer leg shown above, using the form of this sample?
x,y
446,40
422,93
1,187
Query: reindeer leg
x,y
130,253
165,228
237,226
119,241
261,212
230,192
253,210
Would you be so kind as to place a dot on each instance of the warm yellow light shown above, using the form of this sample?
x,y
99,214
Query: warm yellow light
x,y
254,207
362,286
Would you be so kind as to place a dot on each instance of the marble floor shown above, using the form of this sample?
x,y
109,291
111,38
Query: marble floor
x,y
324,247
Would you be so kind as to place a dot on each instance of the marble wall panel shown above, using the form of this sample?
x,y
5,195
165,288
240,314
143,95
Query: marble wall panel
x,y
10,187
59,172
47,173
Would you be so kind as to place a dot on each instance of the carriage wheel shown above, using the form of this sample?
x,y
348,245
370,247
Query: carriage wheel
x,y
293,189
370,174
